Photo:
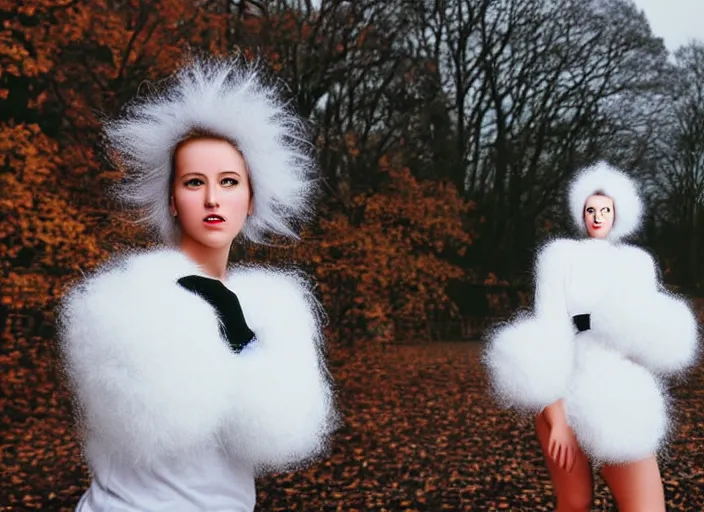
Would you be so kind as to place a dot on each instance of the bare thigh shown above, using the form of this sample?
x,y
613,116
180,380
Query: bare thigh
x,y
573,489
636,486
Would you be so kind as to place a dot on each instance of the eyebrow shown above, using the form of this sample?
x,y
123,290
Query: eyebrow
x,y
195,173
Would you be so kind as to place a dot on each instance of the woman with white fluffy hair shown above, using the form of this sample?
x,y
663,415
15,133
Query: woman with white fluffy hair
x,y
591,359
191,377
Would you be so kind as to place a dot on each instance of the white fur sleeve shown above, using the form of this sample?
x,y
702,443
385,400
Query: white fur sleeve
x,y
145,360
650,326
530,360
283,410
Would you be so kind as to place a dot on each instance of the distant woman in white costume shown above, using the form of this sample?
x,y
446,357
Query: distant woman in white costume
x,y
192,377
591,359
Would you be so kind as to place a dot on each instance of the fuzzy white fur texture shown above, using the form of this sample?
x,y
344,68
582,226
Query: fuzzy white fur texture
x,y
226,97
530,359
530,362
154,380
645,323
282,412
614,406
602,177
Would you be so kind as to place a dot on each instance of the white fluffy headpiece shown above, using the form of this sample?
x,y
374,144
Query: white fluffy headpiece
x,y
602,177
226,97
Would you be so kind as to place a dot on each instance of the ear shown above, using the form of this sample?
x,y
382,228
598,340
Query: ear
x,y
250,210
172,206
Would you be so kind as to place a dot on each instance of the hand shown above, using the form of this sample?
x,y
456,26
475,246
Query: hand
x,y
562,446
233,325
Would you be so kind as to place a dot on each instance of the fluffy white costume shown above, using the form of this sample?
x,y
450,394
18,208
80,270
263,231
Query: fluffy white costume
x,y
610,375
161,391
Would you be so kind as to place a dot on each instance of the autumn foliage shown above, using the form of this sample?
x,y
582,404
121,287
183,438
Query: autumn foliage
x,y
392,261
382,262
61,64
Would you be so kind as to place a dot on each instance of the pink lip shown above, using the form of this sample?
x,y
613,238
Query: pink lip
x,y
596,226
217,220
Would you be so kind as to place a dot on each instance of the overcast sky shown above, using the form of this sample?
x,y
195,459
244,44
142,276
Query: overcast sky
x,y
676,21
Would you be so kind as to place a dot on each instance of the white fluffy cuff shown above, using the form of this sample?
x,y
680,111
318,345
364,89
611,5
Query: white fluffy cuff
x,y
530,361
655,329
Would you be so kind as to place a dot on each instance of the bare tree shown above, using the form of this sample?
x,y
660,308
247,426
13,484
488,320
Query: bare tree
x,y
503,97
679,182
344,63
544,78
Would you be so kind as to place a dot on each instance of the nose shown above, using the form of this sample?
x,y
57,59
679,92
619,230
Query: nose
x,y
211,199
597,218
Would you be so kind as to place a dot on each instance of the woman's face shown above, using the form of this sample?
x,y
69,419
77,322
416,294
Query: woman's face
x,y
599,215
211,194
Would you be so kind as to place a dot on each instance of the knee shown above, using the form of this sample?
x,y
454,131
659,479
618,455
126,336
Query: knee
x,y
575,500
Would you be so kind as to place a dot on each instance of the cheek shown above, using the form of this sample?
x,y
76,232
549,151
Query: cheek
x,y
237,202
187,205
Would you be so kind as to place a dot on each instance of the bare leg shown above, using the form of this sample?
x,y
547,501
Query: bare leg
x,y
573,489
636,486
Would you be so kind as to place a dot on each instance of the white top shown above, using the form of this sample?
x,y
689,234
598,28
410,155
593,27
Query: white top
x,y
211,483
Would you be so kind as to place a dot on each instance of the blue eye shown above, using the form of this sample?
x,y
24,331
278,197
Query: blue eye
x,y
193,182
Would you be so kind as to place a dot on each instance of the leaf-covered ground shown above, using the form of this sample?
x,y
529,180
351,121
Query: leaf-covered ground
x,y
420,434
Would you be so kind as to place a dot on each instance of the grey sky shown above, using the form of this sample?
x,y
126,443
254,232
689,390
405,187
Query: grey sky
x,y
676,21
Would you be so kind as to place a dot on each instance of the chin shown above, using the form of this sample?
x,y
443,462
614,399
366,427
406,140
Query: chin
x,y
600,234
217,240
220,244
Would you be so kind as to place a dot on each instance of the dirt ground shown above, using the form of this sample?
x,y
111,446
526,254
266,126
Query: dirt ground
x,y
420,434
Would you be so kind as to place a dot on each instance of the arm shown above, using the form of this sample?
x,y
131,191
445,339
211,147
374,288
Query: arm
x,y
530,359
141,354
285,411
550,274
643,322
